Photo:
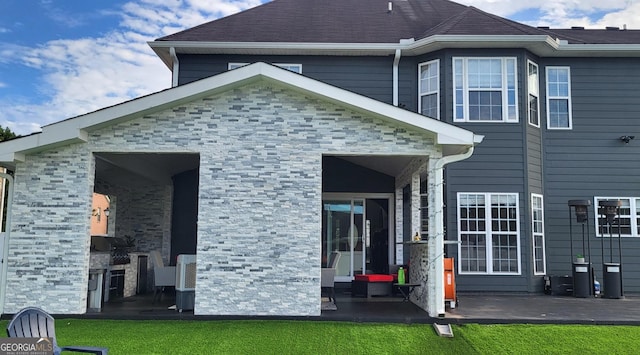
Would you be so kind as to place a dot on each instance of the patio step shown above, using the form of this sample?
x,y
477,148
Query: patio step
x,y
443,330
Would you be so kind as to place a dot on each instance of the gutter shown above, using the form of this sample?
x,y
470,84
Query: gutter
x,y
396,60
175,71
541,45
436,303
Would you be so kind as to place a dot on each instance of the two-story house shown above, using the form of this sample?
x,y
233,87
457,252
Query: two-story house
x,y
299,128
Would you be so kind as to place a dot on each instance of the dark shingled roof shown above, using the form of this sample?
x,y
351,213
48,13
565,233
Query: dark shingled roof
x,y
369,21
612,35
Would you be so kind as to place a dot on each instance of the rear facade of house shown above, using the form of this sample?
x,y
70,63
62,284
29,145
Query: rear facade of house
x,y
263,173
554,106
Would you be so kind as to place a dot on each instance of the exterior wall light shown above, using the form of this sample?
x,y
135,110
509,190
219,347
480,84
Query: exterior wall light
x,y
626,139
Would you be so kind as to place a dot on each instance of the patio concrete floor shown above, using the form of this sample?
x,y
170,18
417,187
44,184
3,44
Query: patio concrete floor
x,y
471,308
540,308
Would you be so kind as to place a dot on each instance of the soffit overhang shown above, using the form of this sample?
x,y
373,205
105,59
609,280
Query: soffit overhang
x,y
540,45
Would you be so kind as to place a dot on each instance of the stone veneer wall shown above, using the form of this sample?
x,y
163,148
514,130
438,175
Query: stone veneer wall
x,y
49,244
259,224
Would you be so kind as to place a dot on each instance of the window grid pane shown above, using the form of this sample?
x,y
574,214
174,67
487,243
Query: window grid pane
x,y
429,105
534,118
505,253
485,106
559,112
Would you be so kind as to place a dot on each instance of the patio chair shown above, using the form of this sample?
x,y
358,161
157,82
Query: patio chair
x,y
33,322
163,276
328,274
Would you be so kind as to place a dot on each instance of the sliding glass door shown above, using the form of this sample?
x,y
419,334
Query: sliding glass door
x,y
343,231
356,228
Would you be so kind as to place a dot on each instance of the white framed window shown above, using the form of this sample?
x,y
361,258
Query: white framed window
x,y
558,98
485,90
429,89
537,234
629,218
296,68
488,232
533,108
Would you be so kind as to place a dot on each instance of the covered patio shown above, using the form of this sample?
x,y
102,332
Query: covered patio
x,y
487,308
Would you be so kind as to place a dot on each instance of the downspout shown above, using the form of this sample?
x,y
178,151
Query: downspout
x,y
436,302
7,233
175,71
396,60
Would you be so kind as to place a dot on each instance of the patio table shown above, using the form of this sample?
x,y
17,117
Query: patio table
x,y
406,289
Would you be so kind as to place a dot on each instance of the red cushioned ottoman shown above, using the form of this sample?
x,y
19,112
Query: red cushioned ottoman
x,y
371,285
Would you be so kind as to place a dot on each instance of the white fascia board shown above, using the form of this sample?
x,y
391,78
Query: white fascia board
x,y
13,150
543,45
408,46
482,39
598,50
387,48
162,48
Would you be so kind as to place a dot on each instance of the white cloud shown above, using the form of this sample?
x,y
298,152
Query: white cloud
x,y
566,13
2,85
83,75
4,30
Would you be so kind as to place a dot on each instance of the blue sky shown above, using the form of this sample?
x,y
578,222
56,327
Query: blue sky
x,y
62,58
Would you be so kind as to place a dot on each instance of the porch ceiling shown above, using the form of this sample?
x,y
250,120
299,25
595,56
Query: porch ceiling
x,y
129,168
389,165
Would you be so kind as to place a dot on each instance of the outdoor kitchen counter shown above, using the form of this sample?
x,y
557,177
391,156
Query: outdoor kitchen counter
x,y
99,260
102,260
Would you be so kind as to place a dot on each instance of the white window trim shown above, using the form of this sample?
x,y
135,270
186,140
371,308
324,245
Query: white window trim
x,y
287,66
505,99
568,98
536,94
435,62
633,205
489,246
540,234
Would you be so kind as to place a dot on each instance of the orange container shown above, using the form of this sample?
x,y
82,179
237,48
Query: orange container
x,y
449,280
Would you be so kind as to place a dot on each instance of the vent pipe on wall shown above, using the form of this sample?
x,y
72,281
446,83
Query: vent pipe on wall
x,y
390,8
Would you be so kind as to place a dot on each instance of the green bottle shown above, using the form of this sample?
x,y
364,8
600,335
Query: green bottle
x,y
401,276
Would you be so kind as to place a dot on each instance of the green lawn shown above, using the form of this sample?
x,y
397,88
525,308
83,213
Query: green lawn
x,y
309,337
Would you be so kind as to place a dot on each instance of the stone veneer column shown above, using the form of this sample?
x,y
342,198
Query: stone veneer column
x,y
419,273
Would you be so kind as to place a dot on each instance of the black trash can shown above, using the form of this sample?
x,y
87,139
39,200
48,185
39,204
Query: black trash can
x,y
581,280
612,280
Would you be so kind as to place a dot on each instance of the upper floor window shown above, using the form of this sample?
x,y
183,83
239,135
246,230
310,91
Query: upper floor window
x,y
429,92
296,68
558,98
485,90
534,106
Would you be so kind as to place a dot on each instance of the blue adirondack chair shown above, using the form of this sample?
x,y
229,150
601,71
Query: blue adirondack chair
x,y
33,322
